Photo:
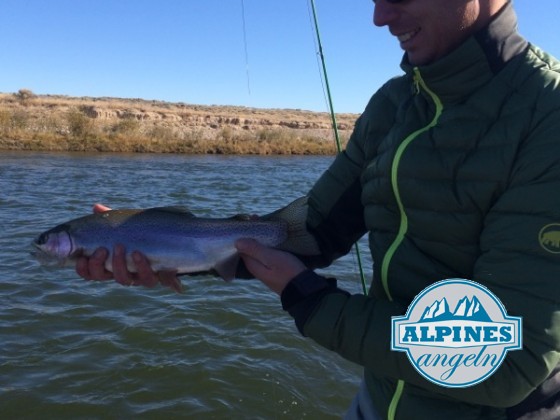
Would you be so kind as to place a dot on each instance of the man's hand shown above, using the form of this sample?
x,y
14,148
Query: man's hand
x,y
93,268
274,268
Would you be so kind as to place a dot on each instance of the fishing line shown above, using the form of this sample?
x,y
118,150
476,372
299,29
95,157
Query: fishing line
x,y
334,124
245,46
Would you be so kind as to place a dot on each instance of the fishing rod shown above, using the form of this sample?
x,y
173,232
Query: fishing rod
x,y
334,123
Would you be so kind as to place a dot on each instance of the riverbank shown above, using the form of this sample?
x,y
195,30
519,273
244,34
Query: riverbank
x,y
62,123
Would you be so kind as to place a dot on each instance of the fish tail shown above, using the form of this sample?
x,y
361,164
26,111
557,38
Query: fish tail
x,y
299,240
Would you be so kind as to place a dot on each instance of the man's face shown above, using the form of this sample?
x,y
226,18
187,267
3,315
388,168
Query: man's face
x,y
428,29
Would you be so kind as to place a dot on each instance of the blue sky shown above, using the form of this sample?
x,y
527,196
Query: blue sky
x,y
193,51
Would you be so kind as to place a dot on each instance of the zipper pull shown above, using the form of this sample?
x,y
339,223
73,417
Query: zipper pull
x,y
415,83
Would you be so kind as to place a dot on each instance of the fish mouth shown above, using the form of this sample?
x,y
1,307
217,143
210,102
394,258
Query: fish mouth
x,y
36,248
43,257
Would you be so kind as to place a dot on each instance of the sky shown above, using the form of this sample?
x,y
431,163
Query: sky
x,y
253,53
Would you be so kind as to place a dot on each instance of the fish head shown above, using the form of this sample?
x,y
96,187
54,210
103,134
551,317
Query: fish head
x,y
55,243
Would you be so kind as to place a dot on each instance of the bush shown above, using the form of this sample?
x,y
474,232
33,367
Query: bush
x,y
79,125
19,120
24,96
126,126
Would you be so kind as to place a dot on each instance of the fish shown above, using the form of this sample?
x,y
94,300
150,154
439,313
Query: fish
x,y
174,239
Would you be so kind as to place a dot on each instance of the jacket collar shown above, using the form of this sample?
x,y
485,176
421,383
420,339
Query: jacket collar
x,y
474,62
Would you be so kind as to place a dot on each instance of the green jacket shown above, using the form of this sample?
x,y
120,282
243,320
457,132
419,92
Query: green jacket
x,y
454,170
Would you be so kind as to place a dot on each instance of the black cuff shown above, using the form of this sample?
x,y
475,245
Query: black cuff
x,y
303,293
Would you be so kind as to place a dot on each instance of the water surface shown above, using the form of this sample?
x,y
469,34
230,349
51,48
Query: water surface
x,y
77,349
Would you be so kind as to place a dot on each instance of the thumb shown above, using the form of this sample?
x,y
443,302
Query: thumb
x,y
273,267
255,251
100,208
250,247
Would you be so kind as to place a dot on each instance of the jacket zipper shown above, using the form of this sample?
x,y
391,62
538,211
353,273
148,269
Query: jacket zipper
x,y
419,84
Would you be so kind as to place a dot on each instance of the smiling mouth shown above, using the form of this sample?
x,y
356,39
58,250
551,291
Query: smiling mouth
x,y
407,36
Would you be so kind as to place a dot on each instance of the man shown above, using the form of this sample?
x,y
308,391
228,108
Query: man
x,y
454,170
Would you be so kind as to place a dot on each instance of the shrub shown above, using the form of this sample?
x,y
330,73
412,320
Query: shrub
x,y
19,120
126,126
79,125
24,96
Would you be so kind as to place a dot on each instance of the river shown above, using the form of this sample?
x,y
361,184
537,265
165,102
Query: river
x,y
76,349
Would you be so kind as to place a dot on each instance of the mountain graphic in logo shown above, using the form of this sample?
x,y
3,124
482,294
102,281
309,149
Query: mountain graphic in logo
x,y
466,309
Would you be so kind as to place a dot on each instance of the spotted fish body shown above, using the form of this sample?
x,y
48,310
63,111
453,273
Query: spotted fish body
x,y
173,238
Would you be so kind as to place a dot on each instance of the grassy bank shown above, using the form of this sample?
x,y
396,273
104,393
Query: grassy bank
x,y
59,123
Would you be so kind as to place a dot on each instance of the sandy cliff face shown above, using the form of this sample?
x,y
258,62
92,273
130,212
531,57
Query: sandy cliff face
x,y
61,123
177,116
215,116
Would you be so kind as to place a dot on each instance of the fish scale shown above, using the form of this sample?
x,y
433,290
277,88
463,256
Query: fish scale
x,y
174,239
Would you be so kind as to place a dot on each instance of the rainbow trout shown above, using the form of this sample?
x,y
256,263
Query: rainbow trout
x,y
172,238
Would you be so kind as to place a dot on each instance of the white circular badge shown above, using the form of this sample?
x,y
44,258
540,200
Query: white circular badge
x,y
456,333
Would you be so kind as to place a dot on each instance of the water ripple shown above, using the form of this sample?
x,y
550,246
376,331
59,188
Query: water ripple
x,y
77,349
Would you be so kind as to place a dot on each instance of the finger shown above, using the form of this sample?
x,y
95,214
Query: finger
x,y
253,249
273,267
145,276
256,267
100,208
82,268
120,269
96,266
256,258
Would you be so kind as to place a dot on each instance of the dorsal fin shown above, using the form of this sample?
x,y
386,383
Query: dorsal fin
x,y
173,209
243,217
